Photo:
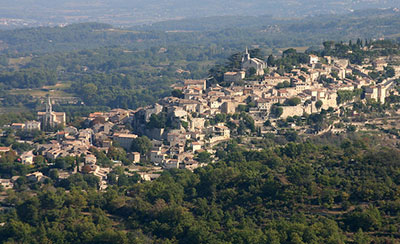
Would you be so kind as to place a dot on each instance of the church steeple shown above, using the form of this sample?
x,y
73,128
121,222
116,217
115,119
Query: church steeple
x,y
48,118
49,107
246,55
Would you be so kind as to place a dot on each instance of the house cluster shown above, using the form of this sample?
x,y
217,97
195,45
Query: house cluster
x,y
188,132
98,133
179,127
305,83
32,177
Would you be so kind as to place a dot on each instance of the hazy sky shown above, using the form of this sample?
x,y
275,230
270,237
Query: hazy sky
x,y
129,12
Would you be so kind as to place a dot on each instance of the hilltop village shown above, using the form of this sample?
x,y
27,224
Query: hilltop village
x,y
182,130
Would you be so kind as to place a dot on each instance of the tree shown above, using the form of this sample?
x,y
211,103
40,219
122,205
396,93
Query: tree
x,y
291,136
361,238
65,162
247,121
289,52
293,101
335,74
51,200
281,85
390,72
271,60
29,210
39,160
368,219
276,111
116,153
318,104
53,174
251,72
157,121
142,145
351,128
344,95
374,75
307,102
177,93
328,45
89,89
110,237
185,124
257,53
204,157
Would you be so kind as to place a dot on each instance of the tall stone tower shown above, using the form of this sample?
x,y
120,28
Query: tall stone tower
x,y
48,120
246,56
249,62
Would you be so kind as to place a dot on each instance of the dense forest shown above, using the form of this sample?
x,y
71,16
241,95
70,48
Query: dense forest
x,y
116,77
224,32
112,77
332,189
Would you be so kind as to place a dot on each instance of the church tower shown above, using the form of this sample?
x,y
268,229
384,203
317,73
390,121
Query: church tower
x,y
246,56
253,63
49,107
49,118
48,121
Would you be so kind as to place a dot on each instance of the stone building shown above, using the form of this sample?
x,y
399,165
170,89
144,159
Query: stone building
x,y
50,118
249,62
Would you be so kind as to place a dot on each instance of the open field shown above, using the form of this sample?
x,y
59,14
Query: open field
x,y
57,90
16,62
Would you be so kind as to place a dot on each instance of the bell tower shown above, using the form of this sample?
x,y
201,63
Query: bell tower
x,y
49,113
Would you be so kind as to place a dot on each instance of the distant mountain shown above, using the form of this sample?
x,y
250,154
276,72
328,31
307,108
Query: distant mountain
x,y
225,32
369,22
131,12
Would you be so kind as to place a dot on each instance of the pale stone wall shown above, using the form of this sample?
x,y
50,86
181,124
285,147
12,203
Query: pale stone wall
x,y
197,123
292,111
